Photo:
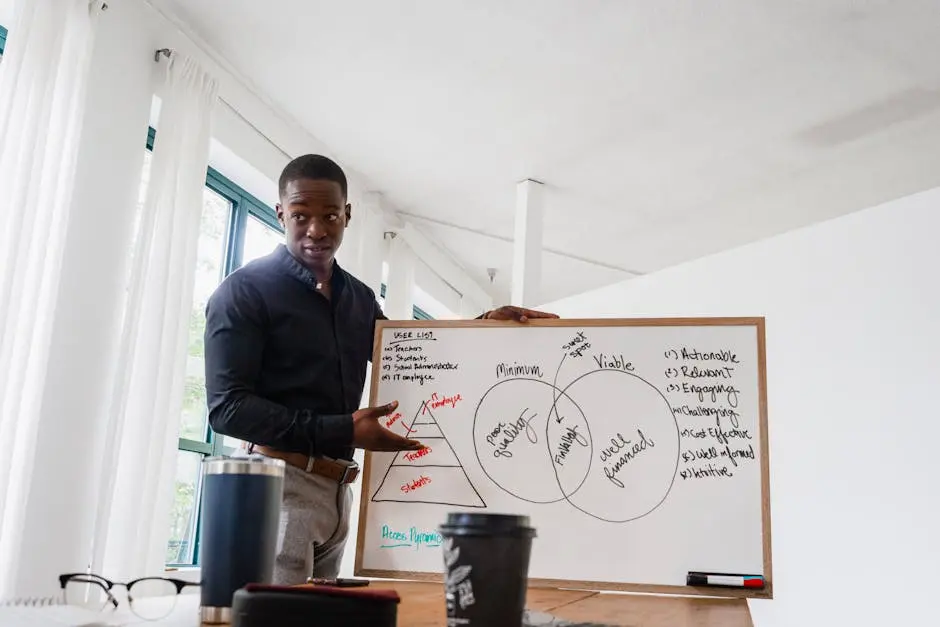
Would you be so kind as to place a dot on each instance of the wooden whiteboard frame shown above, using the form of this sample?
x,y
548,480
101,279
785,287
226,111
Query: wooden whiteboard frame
x,y
756,322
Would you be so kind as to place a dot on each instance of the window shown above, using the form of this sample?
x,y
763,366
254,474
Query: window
x,y
3,40
235,228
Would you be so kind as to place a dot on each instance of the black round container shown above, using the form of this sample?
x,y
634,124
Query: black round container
x,y
486,568
241,507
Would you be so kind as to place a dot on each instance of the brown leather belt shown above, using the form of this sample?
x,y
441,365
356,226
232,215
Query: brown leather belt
x,y
337,471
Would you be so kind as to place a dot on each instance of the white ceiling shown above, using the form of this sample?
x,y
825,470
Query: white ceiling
x,y
663,131
6,13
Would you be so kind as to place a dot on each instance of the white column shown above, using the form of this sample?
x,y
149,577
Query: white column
x,y
527,244
399,293
348,255
371,245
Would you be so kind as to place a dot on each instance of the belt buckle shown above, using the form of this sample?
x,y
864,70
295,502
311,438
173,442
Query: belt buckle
x,y
346,471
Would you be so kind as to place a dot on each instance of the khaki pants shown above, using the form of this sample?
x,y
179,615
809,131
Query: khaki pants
x,y
313,527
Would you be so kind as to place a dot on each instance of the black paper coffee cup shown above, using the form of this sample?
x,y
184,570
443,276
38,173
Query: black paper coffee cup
x,y
486,568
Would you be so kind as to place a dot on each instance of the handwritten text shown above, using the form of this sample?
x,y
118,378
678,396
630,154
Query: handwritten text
x,y
415,537
569,438
438,401
577,346
420,482
629,452
509,433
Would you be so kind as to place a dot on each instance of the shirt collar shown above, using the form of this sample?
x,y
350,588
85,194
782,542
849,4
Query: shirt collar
x,y
300,272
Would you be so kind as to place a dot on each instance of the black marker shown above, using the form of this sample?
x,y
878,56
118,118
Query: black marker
x,y
724,580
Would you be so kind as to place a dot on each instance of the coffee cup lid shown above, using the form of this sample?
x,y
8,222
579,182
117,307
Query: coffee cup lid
x,y
487,523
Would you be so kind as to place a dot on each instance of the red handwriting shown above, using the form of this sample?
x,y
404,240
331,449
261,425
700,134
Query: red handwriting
x,y
417,483
416,454
392,419
439,401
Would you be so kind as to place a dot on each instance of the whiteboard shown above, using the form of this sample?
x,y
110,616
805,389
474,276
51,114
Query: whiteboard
x,y
637,447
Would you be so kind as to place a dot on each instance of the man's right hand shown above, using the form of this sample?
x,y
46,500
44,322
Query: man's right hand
x,y
370,435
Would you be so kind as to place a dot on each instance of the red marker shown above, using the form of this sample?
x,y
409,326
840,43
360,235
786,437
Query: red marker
x,y
724,580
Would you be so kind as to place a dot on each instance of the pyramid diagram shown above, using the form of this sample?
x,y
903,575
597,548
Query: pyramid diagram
x,y
434,475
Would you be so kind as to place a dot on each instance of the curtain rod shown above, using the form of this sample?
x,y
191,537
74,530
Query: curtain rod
x,y
166,52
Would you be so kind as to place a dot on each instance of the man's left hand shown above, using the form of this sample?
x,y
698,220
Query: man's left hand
x,y
519,314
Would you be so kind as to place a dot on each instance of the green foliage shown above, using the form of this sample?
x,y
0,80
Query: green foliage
x,y
181,522
193,420
197,330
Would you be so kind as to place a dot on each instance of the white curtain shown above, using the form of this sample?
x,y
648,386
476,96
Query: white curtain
x,y
143,424
43,79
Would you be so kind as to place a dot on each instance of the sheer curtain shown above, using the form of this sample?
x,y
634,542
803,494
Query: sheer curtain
x,y
143,423
43,80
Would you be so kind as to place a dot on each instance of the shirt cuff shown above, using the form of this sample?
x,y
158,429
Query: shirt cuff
x,y
332,433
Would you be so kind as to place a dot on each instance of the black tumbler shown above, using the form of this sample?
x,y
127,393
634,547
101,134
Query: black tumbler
x,y
486,568
241,507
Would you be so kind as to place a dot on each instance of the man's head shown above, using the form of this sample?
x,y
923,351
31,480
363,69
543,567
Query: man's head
x,y
313,210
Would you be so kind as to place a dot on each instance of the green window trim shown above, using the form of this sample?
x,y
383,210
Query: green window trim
x,y
3,39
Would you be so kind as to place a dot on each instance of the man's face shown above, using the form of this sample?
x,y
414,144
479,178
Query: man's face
x,y
314,215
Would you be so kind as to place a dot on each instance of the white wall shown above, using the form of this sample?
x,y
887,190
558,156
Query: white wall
x,y
6,12
852,307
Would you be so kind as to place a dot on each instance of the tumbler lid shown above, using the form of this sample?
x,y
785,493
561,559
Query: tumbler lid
x,y
469,523
252,465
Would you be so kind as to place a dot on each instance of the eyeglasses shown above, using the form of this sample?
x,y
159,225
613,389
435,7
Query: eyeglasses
x,y
150,598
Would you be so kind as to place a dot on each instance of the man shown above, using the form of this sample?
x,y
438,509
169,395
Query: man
x,y
287,342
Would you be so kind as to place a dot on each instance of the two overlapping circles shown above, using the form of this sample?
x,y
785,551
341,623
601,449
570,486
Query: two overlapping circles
x,y
607,443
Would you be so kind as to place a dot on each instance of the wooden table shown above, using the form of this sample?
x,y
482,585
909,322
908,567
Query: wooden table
x,y
636,610
422,605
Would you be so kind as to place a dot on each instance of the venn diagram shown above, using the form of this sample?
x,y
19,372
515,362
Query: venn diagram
x,y
607,442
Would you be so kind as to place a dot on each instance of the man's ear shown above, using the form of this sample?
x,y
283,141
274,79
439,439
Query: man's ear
x,y
348,213
280,215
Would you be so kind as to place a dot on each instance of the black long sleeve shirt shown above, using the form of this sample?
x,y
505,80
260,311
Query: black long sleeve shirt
x,y
285,366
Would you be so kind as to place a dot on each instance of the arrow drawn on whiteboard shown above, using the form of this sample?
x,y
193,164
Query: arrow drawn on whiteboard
x,y
558,418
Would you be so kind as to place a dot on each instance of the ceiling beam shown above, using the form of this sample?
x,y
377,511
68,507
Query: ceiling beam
x,y
444,266
553,251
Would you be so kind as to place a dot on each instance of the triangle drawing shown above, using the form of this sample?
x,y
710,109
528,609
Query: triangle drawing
x,y
434,475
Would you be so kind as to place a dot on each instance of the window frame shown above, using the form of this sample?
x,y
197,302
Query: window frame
x,y
243,205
